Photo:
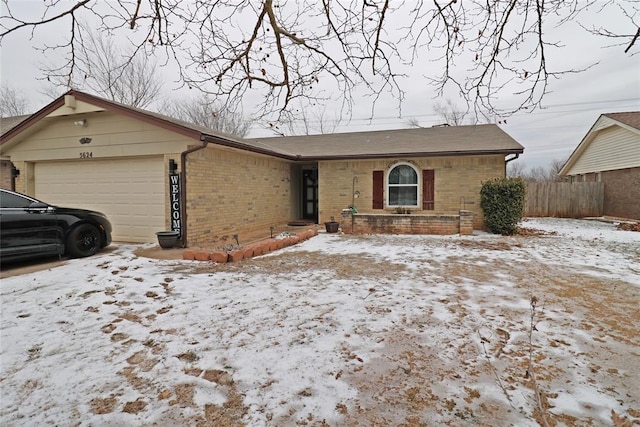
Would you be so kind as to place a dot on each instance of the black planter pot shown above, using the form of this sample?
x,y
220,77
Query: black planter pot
x,y
331,226
167,239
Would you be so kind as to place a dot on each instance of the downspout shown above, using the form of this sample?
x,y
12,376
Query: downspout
x,y
509,160
183,184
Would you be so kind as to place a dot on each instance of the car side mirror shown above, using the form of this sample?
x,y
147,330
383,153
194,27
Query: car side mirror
x,y
39,206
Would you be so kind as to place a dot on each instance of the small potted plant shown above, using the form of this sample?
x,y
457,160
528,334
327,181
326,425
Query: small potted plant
x,y
332,226
168,239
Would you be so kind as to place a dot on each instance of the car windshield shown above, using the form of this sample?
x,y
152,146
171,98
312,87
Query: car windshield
x,y
11,200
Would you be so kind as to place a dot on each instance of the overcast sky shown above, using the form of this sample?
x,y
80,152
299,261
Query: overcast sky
x,y
574,104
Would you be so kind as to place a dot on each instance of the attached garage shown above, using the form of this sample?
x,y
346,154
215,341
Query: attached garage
x,y
87,152
130,191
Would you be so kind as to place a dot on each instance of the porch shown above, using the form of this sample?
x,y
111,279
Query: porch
x,y
407,223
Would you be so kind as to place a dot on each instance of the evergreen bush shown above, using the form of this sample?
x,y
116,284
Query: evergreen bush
x,y
502,203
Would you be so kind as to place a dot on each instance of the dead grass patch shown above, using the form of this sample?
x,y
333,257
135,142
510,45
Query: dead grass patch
x,y
135,406
498,245
183,395
103,405
629,226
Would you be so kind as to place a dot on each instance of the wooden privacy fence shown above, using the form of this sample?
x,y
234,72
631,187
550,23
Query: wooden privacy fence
x,y
564,199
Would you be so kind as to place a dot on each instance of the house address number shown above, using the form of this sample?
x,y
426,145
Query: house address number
x,y
86,155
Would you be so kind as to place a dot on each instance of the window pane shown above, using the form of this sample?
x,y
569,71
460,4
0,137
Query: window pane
x,y
403,174
8,200
403,196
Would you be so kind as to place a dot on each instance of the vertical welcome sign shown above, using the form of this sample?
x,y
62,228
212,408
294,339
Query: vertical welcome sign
x,y
176,211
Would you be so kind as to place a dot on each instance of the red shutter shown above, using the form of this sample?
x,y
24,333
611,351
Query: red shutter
x,y
428,193
378,189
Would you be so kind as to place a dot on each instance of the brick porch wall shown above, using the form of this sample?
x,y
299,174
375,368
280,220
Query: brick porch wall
x,y
408,224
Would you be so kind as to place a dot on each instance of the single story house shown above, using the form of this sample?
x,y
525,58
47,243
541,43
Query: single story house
x,y
150,172
610,153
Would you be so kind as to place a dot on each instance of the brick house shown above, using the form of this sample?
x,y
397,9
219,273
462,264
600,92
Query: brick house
x,y
149,172
610,153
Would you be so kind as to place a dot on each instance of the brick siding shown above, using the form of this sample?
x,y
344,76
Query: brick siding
x,y
622,193
457,184
231,192
5,174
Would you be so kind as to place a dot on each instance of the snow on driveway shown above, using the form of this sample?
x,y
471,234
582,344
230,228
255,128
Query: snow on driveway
x,y
340,330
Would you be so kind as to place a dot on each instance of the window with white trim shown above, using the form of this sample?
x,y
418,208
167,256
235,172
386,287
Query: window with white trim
x,y
402,186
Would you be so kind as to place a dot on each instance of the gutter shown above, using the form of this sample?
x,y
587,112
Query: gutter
x,y
183,184
511,159
516,155
405,155
246,147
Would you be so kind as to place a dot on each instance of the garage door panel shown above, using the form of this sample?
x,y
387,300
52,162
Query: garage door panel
x,y
130,192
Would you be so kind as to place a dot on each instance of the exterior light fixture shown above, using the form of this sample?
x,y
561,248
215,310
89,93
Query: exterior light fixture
x,y
85,140
173,166
82,123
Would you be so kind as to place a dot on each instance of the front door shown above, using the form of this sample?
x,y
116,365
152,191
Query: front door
x,y
310,194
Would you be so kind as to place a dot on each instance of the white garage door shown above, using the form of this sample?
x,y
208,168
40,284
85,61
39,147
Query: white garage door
x,y
129,191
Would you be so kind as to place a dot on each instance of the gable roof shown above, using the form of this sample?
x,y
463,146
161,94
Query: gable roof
x,y
181,127
626,120
435,141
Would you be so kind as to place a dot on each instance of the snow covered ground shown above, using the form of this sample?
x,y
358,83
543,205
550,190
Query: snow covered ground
x,y
340,330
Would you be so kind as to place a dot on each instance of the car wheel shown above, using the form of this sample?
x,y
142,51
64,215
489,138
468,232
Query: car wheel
x,y
83,240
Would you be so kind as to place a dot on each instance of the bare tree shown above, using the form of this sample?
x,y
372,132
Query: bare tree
x,y
452,114
103,68
554,168
307,49
413,122
549,173
303,121
204,111
11,102
517,169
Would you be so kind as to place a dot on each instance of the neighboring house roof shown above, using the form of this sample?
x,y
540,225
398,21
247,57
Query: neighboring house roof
x,y
8,123
435,141
630,119
612,143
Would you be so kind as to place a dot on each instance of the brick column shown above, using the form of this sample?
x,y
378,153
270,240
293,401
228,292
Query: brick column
x,y
466,222
346,222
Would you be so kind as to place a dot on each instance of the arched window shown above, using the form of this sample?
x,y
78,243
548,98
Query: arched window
x,y
402,186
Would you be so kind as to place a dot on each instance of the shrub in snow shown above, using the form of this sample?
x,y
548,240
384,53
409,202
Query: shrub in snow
x,y
502,203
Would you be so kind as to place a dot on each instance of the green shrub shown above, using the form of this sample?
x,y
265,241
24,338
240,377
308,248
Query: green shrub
x,y
502,203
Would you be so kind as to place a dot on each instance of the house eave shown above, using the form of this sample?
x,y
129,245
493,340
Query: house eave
x,y
306,158
409,154
212,139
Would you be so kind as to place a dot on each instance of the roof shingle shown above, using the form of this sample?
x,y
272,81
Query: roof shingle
x,y
476,139
631,118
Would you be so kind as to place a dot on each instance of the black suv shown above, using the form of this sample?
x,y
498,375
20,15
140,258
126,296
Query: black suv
x,y
30,228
